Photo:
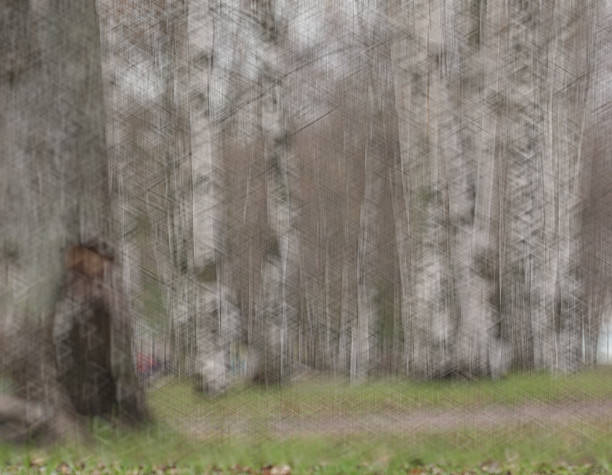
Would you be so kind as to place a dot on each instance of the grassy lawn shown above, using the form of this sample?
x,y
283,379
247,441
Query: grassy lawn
x,y
176,398
160,450
534,448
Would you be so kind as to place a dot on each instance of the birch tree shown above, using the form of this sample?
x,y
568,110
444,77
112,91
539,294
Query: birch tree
x,y
429,315
217,317
462,57
148,129
542,95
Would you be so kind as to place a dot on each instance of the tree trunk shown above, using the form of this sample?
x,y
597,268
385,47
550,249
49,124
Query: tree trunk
x,y
217,317
423,220
597,219
279,272
55,196
148,128
541,102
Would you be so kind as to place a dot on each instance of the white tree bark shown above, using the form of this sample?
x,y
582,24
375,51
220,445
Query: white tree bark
x,y
217,318
542,101
280,264
148,137
422,215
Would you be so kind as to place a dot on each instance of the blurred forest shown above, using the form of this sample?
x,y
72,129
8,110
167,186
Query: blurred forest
x,y
261,189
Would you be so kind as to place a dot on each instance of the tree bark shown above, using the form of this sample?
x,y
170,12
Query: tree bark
x,y
55,196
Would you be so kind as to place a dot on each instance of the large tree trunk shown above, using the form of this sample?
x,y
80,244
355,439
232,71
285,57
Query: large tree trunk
x,y
55,196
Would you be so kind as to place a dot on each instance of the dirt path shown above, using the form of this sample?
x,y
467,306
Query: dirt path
x,y
553,416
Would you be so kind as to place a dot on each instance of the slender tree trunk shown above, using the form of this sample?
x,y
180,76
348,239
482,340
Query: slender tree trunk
x,y
148,129
381,150
430,313
280,263
217,317
471,167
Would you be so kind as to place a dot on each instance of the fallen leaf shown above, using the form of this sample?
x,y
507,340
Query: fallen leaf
x,y
37,461
282,470
240,469
64,468
511,456
435,469
491,466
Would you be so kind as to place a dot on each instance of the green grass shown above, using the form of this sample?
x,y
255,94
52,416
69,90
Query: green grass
x,y
585,449
322,397
162,449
